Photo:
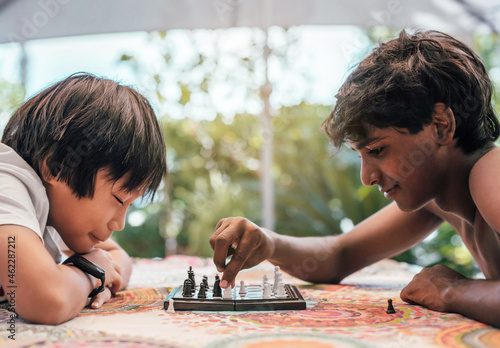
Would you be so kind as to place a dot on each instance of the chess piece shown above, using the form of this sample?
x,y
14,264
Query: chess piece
x,y
217,290
390,308
277,277
205,281
170,308
191,276
202,292
264,280
187,289
228,293
266,294
243,291
280,292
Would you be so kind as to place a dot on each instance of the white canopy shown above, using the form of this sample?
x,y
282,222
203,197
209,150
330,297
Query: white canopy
x,y
22,20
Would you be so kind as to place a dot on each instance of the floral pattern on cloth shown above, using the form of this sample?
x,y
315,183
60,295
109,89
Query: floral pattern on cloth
x,y
352,314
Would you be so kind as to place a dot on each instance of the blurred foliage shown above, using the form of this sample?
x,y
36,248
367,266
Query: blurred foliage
x,y
11,97
315,190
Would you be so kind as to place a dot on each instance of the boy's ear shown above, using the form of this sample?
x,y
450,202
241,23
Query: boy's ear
x,y
45,172
443,121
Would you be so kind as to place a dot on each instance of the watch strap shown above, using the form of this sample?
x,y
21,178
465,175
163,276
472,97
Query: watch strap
x,y
90,268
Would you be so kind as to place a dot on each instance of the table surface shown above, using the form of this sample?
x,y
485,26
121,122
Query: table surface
x,y
352,314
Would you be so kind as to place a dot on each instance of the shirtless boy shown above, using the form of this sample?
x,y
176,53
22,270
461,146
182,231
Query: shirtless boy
x,y
418,112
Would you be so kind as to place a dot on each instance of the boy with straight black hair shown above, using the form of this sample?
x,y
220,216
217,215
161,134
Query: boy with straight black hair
x,y
418,112
72,160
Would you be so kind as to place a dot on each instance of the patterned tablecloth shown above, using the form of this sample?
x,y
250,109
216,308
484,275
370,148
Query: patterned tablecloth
x,y
352,314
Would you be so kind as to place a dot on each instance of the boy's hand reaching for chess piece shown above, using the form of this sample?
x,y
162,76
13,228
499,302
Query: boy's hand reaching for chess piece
x,y
246,243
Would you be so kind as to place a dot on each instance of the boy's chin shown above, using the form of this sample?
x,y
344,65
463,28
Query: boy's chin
x,y
81,249
408,207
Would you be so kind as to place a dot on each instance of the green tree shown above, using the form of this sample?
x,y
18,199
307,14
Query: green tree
x,y
11,97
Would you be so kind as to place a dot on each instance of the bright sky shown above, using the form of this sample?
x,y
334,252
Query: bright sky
x,y
322,54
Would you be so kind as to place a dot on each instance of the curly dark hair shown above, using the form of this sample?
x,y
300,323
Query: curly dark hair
x,y
83,124
399,83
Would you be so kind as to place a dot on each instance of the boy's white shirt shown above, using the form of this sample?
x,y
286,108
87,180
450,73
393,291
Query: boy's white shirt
x,y
24,202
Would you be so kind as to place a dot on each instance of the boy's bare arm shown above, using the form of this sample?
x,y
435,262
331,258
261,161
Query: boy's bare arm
x,y
442,289
385,234
320,259
121,257
45,292
485,189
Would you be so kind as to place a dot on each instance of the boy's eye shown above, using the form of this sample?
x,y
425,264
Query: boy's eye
x,y
118,199
376,151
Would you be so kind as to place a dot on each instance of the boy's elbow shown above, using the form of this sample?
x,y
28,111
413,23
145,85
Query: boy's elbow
x,y
47,309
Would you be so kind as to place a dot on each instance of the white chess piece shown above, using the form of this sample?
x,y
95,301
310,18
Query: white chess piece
x,y
170,308
227,293
264,280
277,276
266,294
280,293
243,291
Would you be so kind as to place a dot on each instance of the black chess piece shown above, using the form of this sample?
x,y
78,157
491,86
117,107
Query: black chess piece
x,y
390,308
217,290
187,289
205,281
191,276
201,292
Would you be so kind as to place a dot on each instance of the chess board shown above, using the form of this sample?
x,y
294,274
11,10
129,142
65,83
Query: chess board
x,y
251,301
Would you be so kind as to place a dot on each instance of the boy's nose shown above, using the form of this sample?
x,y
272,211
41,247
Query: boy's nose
x,y
369,174
117,223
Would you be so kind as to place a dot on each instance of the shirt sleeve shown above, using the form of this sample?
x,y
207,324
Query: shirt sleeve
x,y
16,205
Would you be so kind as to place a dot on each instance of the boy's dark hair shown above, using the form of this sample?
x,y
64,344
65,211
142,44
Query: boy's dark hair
x,y
398,84
85,123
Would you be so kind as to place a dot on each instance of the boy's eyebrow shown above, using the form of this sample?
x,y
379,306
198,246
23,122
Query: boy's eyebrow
x,y
367,141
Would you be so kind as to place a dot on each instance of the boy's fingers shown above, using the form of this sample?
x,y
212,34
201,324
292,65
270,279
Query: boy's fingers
x,y
221,243
238,260
221,252
100,298
216,233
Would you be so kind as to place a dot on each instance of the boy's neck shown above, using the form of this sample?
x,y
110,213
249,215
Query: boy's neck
x,y
455,196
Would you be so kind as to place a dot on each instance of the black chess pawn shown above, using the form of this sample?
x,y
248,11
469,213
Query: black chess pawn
x,y
205,282
217,290
390,308
187,289
201,292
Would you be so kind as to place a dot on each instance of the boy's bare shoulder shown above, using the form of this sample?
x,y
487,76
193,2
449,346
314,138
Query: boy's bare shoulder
x,y
487,166
485,187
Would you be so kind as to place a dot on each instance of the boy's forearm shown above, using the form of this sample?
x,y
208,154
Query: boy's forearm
x,y
312,259
55,300
477,299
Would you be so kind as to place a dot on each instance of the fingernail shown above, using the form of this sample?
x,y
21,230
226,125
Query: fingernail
x,y
224,284
96,305
219,269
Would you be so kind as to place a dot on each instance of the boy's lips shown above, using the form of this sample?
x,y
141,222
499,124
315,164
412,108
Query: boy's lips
x,y
388,193
95,239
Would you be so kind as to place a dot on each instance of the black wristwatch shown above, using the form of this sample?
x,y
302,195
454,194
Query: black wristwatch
x,y
88,267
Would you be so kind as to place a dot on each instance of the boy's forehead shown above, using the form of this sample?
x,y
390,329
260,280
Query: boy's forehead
x,y
119,185
373,134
